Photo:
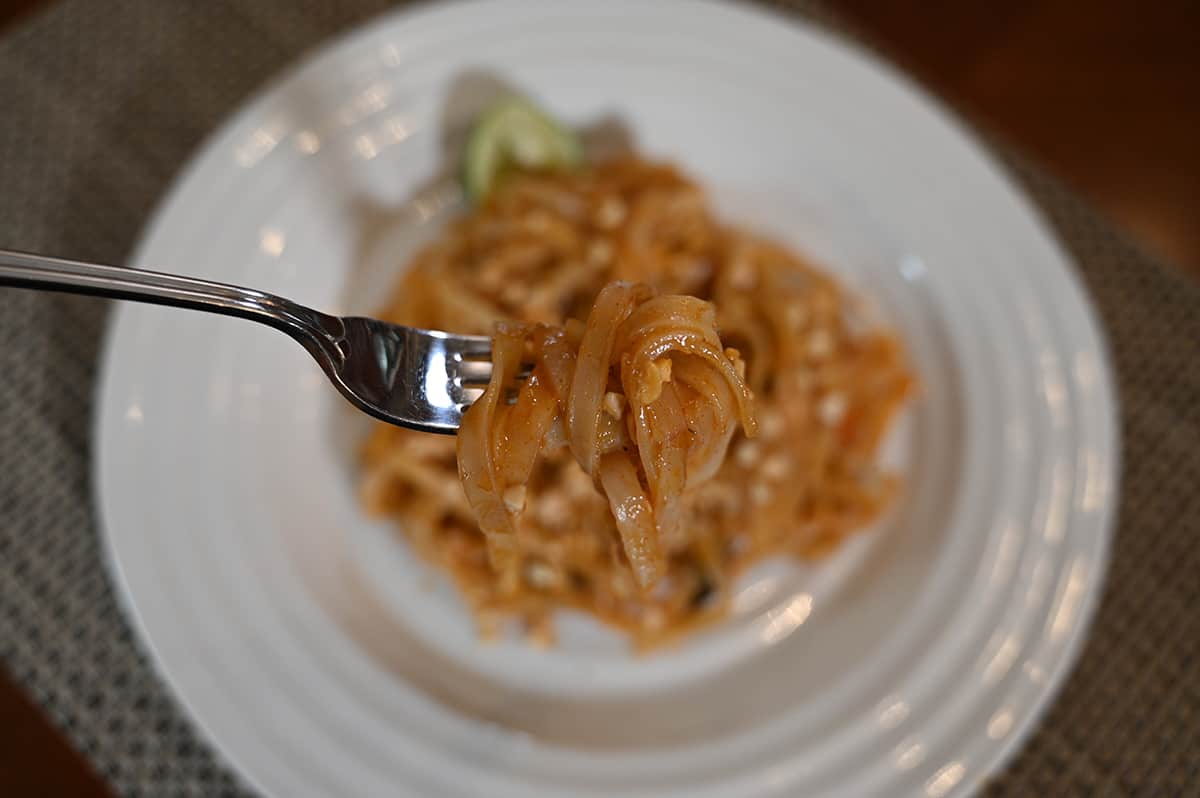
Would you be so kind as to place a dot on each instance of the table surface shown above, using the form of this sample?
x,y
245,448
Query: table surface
x,y
1107,100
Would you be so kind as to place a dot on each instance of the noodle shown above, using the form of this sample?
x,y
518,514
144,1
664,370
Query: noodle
x,y
599,480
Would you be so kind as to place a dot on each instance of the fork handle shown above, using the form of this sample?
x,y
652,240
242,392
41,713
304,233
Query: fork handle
x,y
318,332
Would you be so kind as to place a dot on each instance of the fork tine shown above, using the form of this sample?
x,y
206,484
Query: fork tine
x,y
474,372
479,372
470,395
470,347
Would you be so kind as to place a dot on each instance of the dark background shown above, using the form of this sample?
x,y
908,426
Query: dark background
x,y
1105,94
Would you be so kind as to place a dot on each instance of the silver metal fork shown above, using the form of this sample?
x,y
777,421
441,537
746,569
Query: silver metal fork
x,y
421,379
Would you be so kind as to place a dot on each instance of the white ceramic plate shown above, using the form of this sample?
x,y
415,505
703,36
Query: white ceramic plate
x,y
323,660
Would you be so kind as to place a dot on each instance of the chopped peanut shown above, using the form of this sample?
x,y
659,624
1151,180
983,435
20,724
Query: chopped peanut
x,y
610,213
614,404
832,409
514,498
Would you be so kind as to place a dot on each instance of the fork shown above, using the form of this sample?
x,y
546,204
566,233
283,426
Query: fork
x,y
421,379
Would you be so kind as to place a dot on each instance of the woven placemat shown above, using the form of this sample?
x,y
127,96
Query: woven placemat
x,y
101,101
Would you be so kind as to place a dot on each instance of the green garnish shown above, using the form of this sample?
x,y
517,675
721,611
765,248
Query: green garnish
x,y
515,134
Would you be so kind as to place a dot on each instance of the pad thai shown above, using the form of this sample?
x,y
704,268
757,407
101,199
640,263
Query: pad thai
x,y
672,400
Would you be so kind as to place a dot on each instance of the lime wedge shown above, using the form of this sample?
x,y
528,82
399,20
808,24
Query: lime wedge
x,y
515,134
